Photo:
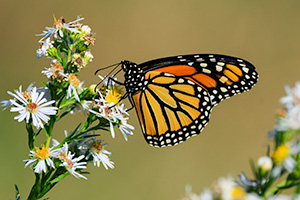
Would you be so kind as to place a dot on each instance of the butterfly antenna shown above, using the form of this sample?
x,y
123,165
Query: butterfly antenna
x,y
107,67
116,66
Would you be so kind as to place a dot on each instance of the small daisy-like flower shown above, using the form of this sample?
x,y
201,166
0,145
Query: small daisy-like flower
x,y
58,25
43,157
56,71
70,163
75,86
32,105
110,107
226,188
85,29
293,96
87,35
291,120
103,109
44,46
283,158
100,155
78,61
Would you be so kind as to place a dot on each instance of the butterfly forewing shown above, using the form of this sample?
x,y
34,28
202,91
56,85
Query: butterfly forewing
x,y
171,109
222,76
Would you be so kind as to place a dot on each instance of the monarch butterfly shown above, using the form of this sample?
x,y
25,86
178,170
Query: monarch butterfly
x,y
174,96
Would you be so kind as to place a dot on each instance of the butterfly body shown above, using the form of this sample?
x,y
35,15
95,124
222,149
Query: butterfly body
x,y
174,96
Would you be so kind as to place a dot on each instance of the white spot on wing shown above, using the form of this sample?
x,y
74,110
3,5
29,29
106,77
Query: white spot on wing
x,y
207,71
203,64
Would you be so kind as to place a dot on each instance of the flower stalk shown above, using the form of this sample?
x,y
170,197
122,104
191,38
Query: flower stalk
x,y
66,46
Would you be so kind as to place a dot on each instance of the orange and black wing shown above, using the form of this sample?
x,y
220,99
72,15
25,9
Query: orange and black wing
x,y
171,109
222,76
178,93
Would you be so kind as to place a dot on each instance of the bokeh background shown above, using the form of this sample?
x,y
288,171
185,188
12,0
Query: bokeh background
x,y
265,33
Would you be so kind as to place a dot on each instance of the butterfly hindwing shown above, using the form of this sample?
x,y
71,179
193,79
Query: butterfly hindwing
x,y
171,109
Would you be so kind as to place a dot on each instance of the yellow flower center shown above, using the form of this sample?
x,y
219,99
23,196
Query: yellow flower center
x,y
32,107
73,80
96,147
280,153
238,193
42,153
113,96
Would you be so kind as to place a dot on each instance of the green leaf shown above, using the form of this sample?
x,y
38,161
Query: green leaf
x,y
18,196
59,178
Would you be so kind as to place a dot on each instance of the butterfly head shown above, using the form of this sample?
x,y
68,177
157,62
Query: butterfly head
x,y
134,76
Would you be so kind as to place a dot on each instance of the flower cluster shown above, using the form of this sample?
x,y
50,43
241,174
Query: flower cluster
x,y
227,189
67,46
274,172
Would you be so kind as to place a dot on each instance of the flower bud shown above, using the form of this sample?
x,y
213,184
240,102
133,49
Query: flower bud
x,y
92,89
265,164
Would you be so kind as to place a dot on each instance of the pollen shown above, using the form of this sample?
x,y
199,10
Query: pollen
x,y
73,80
42,153
280,153
113,96
96,147
59,23
32,107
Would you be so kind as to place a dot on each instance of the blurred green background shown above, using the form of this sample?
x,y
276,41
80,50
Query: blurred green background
x,y
265,33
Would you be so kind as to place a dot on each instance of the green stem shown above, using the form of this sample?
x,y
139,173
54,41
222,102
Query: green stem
x,y
48,141
69,103
280,186
276,189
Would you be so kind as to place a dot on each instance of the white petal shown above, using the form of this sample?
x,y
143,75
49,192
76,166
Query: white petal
x,y
20,98
112,130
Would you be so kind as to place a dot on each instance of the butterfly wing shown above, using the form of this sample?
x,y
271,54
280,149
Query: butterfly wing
x,y
175,95
171,109
222,76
